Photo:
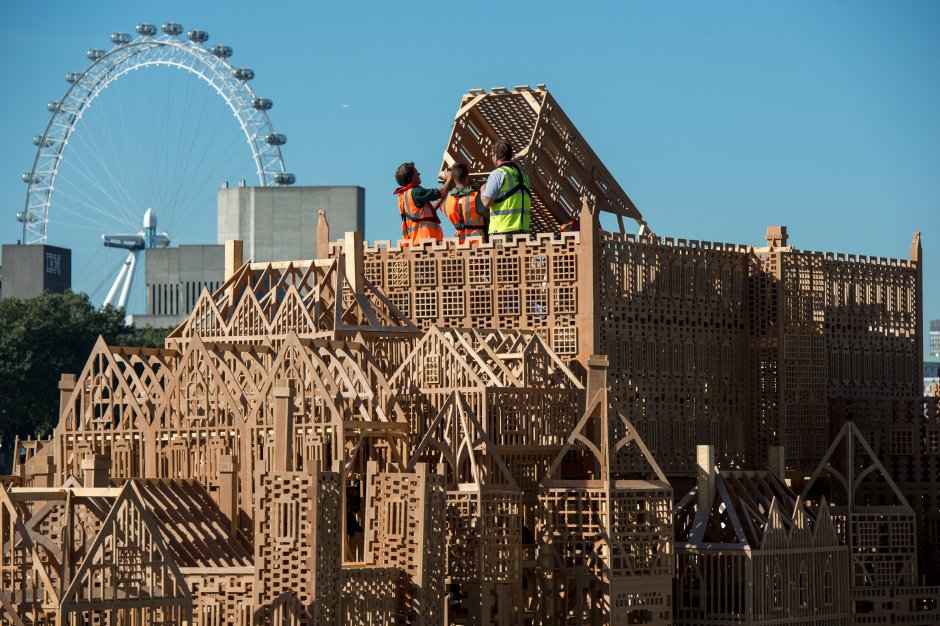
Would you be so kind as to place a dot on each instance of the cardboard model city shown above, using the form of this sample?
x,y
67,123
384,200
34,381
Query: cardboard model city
x,y
570,428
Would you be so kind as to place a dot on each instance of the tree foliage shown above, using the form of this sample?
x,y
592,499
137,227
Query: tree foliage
x,y
42,338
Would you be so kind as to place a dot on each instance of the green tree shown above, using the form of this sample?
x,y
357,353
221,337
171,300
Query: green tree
x,y
42,338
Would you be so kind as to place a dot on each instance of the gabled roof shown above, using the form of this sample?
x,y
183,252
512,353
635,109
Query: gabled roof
x,y
753,509
852,467
193,527
135,378
492,358
310,298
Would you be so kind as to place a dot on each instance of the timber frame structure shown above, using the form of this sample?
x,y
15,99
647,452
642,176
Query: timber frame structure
x,y
567,428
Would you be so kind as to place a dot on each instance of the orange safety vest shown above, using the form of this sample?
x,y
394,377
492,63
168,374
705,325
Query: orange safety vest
x,y
462,213
418,222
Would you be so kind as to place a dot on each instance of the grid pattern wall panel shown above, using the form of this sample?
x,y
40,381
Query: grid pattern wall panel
x,y
871,325
529,284
675,328
560,163
600,537
407,530
641,533
484,536
370,595
221,599
297,561
848,327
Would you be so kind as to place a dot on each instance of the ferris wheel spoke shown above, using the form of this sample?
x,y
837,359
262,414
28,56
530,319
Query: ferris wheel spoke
x,y
123,213
113,183
82,199
193,183
104,220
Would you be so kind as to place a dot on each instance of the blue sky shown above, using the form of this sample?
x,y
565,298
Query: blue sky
x,y
718,119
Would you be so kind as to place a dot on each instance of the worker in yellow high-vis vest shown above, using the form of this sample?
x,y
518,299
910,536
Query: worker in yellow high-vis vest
x,y
507,195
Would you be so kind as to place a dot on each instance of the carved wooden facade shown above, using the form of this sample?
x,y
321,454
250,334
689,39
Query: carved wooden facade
x,y
878,525
481,433
751,552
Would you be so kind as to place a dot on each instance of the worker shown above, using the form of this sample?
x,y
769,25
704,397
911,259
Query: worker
x,y
464,207
417,205
507,195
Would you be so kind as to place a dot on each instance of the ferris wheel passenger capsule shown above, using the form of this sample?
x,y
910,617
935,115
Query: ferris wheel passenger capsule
x,y
276,139
29,178
72,77
94,54
223,52
42,141
119,39
285,178
198,36
262,104
172,28
147,30
52,106
244,73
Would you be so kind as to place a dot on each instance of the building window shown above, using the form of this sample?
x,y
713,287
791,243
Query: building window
x,y
803,587
53,263
777,588
827,584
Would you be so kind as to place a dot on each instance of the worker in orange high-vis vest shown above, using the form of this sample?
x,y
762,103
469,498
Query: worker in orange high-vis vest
x,y
463,206
418,206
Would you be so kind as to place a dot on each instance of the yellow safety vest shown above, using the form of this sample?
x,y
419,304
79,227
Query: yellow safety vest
x,y
512,209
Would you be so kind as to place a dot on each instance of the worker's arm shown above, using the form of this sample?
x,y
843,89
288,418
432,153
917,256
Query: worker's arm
x,y
483,205
448,184
491,189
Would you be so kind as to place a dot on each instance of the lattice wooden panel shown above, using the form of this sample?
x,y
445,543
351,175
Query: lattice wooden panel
x,y
222,599
484,536
675,328
561,165
529,284
370,595
407,530
297,557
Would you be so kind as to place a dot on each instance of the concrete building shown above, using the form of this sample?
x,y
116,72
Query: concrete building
x,y
30,270
175,277
275,224
934,338
280,223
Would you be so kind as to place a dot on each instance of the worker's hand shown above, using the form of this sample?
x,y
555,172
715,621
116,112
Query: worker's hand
x,y
448,177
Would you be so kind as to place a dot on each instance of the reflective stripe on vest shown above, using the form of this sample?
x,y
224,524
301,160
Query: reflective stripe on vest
x,y
418,222
512,210
462,212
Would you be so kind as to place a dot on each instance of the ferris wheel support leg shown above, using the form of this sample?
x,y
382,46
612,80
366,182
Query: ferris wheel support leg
x,y
132,265
109,299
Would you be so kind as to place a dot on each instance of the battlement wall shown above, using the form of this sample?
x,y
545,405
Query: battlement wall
x,y
713,342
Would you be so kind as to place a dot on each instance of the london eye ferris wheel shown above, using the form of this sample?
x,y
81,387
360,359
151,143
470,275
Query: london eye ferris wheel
x,y
158,145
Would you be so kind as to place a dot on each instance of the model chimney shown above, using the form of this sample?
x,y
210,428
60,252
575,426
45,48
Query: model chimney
x,y
283,426
705,471
96,471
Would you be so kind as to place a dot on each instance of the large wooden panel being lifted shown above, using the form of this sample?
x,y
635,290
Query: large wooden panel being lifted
x,y
561,165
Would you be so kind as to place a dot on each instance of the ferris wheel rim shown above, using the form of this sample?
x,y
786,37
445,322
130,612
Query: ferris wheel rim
x,y
143,51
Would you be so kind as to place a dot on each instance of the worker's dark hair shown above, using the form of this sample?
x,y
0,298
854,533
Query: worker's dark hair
x,y
404,173
459,172
503,150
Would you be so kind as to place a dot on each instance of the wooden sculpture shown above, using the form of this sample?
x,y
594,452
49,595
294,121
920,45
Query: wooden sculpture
x,y
479,434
